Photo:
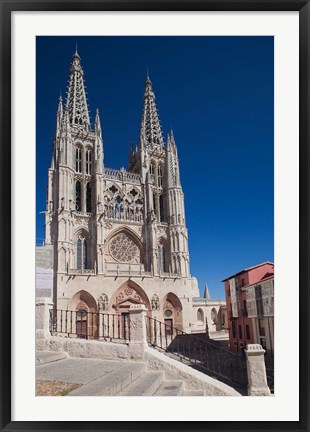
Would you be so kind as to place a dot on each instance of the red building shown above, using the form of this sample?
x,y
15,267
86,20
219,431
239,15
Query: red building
x,y
250,317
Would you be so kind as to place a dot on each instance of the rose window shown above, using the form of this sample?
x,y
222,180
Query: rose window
x,y
123,248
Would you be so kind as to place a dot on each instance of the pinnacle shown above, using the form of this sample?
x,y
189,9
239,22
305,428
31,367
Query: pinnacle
x,y
76,54
151,132
148,80
76,97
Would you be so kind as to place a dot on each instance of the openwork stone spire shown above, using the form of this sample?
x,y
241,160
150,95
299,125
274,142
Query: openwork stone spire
x,y
151,134
76,97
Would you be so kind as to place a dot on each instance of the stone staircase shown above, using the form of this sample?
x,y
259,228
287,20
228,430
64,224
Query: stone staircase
x,y
108,378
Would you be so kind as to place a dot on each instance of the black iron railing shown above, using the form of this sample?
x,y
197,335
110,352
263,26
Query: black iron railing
x,y
203,354
90,325
269,363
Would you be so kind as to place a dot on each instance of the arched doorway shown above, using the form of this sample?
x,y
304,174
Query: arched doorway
x,y
127,294
172,311
83,317
214,319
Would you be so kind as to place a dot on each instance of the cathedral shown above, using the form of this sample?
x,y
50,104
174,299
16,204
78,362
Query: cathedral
x,y
118,237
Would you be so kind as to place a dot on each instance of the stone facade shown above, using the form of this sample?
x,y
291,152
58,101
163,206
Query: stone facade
x,y
119,237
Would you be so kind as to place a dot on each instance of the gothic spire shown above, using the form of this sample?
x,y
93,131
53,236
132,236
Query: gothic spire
x,y
98,144
172,162
76,96
206,294
59,116
151,134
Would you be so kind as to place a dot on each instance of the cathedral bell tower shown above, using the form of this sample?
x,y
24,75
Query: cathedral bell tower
x,y
74,180
165,233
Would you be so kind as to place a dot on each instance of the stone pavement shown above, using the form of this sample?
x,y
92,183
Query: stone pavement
x,y
107,378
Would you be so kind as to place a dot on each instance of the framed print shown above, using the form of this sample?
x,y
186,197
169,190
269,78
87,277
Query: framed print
x,y
134,279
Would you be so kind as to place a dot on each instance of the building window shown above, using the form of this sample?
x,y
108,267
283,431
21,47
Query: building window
x,y
160,176
233,328
168,313
242,282
200,317
259,300
154,204
161,208
88,161
78,160
78,196
162,258
88,197
152,169
84,257
245,311
247,329
240,331
261,327
81,254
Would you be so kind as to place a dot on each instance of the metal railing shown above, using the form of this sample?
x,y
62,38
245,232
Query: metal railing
x,y
90,325
269,363
203,354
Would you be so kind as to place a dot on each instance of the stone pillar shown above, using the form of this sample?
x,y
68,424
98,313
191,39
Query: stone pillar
x,y
138,341
256,370
43,307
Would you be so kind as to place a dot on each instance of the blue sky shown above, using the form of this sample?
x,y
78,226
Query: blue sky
x,y
217,94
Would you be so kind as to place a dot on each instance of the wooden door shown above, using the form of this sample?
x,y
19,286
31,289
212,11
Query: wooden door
x,y
168,326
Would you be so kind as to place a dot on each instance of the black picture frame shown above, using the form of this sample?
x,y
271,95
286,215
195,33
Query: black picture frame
x,y
7,7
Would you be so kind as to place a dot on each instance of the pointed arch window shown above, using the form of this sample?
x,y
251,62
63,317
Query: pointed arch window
x,y
88,197
152,171
161,208
160,176
78,196
162,262
78,160
88,161
154,204
84,254
81,254
200,315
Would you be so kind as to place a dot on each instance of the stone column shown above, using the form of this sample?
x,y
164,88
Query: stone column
x,y
138,341
256,370
43,307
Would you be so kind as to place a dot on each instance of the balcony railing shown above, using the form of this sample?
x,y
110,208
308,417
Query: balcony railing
x,y
122,175
81,271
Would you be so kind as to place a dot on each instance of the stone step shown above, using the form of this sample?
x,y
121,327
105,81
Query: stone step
x,y
170,388
113,382
145,385
43,357
193,393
